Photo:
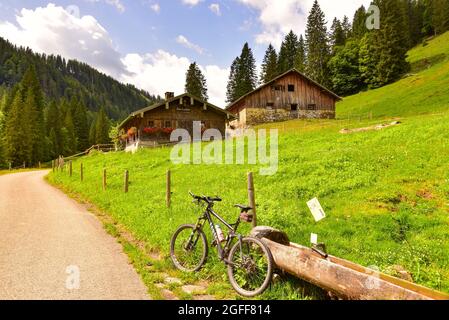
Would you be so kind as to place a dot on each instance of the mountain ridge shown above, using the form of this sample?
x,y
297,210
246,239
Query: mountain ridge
x,y
65,78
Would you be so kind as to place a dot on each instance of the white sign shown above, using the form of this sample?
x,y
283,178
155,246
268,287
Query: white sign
x,y
314,238
316,209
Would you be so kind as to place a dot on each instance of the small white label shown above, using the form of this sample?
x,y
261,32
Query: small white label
x,y
314,238
316,209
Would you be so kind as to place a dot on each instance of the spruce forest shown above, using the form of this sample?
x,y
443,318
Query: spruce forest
x,y
50,106
349,57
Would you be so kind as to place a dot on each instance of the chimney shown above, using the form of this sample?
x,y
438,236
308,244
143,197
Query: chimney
x,y
169,95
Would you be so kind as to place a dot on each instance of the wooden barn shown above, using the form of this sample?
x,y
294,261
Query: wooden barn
x,y
291,95
153,125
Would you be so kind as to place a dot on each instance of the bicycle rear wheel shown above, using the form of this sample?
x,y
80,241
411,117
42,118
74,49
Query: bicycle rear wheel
x,y
251,268
188,248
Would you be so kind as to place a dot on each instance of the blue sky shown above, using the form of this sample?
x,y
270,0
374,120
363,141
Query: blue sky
x,y
151,42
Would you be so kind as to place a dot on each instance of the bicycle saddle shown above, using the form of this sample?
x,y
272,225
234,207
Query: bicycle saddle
x,y
243,208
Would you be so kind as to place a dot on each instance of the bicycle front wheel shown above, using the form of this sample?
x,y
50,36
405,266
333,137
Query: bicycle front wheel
x,y
250,267
188,248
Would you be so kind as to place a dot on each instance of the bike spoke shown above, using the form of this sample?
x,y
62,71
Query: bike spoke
x,y
188,249
250,267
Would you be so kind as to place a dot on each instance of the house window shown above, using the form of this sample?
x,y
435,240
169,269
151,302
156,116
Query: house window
x,y
270,105
311,107
291,88
294,107
151,124
167,124
278,88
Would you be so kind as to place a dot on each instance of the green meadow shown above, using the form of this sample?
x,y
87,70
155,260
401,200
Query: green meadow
x,y
385,192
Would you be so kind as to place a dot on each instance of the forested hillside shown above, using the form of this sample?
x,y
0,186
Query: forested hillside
x,y
50,106
61,78
348,57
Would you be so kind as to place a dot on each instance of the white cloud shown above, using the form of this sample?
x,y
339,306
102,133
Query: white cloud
x,y
186,43
217,79
215,8
162,71
279,17
156,7
116,3
192,3
53,30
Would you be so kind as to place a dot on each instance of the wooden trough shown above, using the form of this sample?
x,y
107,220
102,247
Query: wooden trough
x,y
343,278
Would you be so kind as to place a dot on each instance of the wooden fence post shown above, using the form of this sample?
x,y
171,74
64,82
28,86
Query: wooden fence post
x,y
81,172
24,164
104,179
168,191
251,197
70,168
10,166
126,182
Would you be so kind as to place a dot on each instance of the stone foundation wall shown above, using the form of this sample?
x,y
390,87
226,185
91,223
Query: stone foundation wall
x,y
255,116
316,114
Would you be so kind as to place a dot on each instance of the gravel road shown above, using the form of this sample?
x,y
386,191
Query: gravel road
x,y
53,248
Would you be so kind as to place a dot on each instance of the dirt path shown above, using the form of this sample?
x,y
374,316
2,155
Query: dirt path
x,y
46,238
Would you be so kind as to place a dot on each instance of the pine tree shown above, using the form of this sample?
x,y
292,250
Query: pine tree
x,y
79,113
415,11
92,137
70,143
18,142
3,100
428,27
288,52
269,65
196,82
301,57
54,144
440,16
246,76
102,128
54,130
337,36
359,23
347,28
231,88
32,94
393,42
317,46
369,59
243,77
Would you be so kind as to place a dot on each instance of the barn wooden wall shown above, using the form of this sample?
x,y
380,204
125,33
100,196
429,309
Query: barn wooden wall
x,y
305,93
180,116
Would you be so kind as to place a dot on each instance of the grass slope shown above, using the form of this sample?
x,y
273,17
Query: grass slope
x,y
386,193
424,90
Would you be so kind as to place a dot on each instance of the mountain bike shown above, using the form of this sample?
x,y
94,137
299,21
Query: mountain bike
x,y
249,261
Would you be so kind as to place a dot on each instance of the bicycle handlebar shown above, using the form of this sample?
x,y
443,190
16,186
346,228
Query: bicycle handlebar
x,y
205,199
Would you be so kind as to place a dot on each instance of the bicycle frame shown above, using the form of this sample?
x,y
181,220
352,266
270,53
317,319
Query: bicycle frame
x,y
207,216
